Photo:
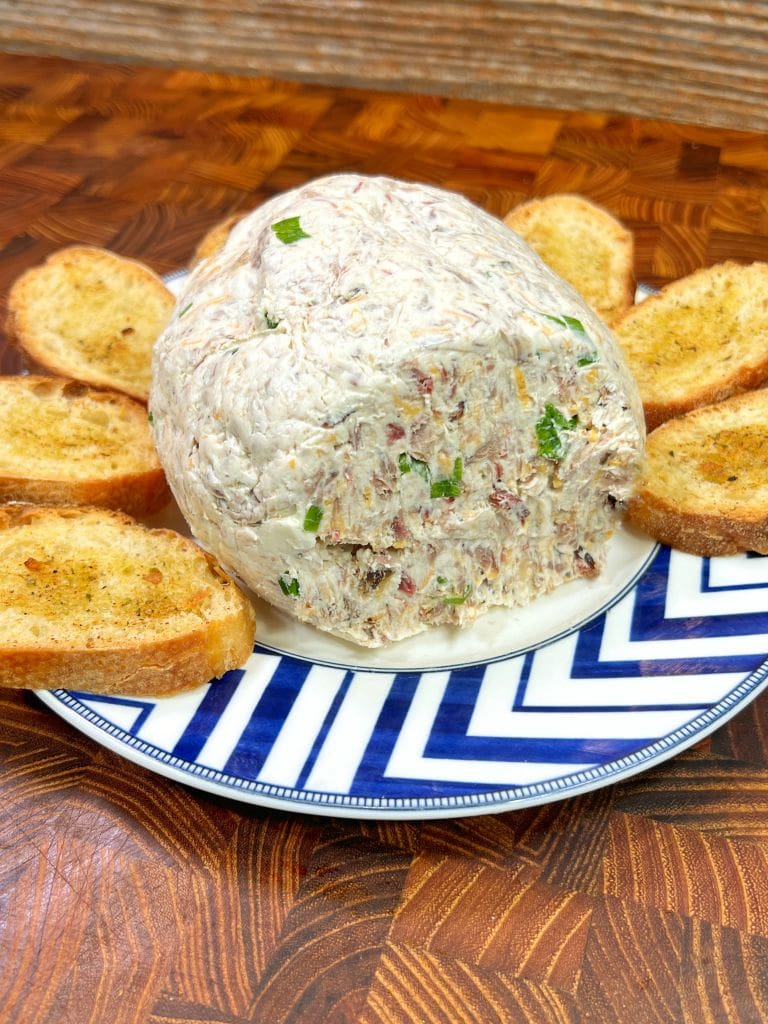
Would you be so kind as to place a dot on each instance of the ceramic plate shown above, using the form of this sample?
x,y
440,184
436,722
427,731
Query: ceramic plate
x,y
585,687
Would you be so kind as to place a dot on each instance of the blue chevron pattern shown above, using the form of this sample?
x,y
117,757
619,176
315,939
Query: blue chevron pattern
x,y
685,648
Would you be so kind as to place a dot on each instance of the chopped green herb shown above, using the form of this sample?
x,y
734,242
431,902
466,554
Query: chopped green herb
x,y
232,351
442,580
407,463
312,518
567,321
185,310
459,598
445,489
289,230
588,359
578,326
549,430
450,488
150,418
271,324
289,586
574,324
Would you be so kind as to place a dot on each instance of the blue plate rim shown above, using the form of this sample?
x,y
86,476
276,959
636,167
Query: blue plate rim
x,y
493,801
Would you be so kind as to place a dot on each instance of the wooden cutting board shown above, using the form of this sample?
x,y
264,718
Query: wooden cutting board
x,y
129,899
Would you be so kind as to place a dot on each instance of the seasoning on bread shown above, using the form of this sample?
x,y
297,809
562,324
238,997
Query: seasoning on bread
x,y
699,340
212,242
91,600
65,443
92,315
704,487
584,244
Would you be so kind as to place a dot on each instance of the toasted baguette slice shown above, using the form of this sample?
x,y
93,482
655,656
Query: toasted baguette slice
x,y
699,340
91,600
210,243
64,443
89,314
704,486
585,245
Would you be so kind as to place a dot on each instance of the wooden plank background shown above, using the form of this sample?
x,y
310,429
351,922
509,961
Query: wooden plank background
x,y
702,63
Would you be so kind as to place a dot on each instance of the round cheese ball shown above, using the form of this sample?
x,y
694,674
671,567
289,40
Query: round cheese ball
x,y
382,411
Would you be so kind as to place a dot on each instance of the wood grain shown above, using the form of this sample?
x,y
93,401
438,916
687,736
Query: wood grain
x,y
126,897
705,62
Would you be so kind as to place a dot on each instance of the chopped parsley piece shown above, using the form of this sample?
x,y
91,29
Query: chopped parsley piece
x,y
185,310
271,324
312,518
289,230
459,598
574,324
567,321
407,464
442,580
445,489
150,418
450,488
549,432
578,326
289,586
556,319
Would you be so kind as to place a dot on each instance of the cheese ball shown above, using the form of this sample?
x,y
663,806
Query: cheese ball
x,y
380,409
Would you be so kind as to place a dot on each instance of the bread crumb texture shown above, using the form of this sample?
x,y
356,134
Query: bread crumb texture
x,y
703,486
96,578
583,243
93,315
65,430
713,460
701,339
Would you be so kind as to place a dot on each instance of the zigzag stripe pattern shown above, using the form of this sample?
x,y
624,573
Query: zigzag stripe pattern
x,y
643,679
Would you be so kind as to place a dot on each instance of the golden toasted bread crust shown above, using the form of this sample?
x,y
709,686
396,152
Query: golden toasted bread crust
x,y
585,244
90,599
65,443
703,486
92,315
211,242
699,340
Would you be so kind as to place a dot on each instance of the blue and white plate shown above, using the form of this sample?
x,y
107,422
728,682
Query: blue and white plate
x,y
587,686
583,688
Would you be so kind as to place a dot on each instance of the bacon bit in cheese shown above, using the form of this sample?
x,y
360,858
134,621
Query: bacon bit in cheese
x,y
424,382
407,586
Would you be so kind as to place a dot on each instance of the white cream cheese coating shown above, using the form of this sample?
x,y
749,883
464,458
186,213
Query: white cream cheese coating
x,y
379,408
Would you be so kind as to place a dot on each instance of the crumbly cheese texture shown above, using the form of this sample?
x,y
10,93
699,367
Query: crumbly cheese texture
x,y
379,408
